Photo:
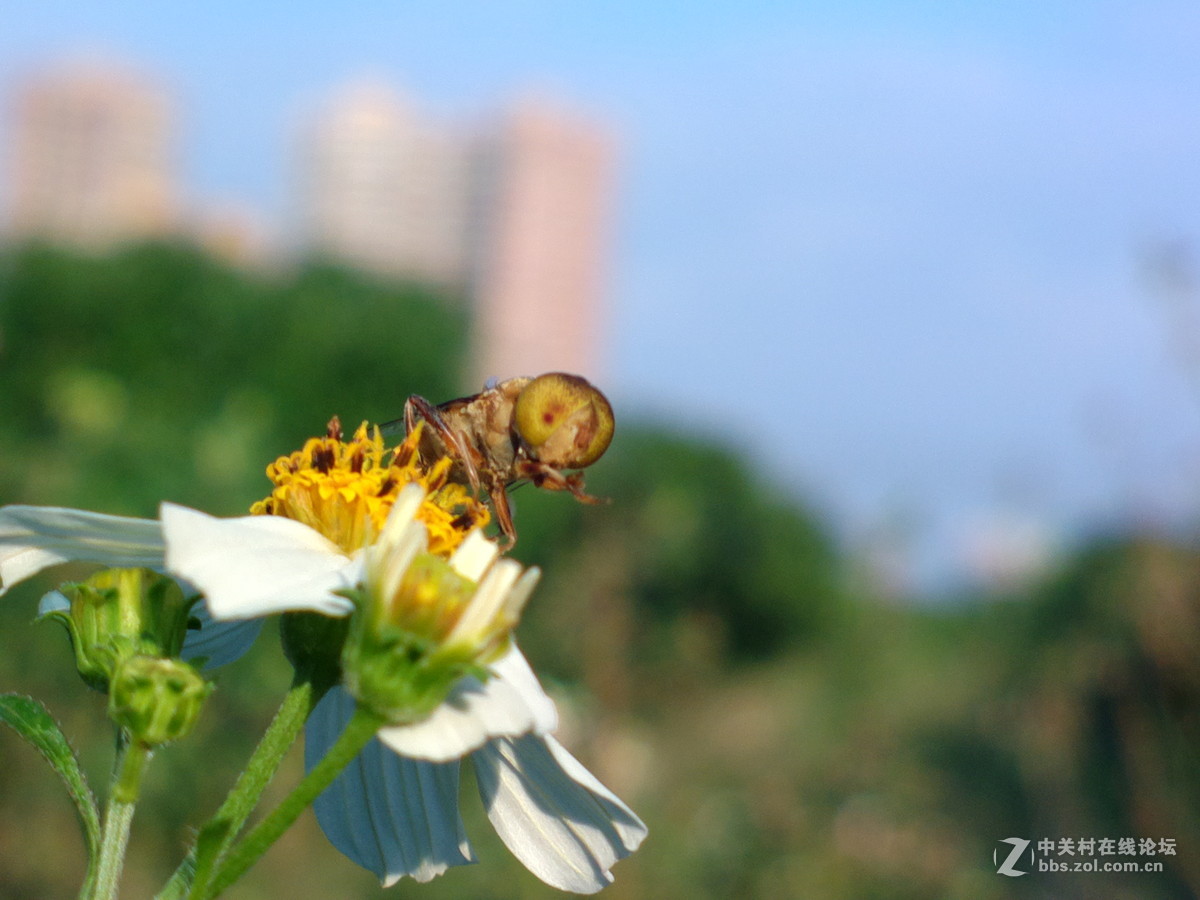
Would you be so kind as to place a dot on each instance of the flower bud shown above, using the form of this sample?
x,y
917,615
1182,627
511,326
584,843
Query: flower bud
x,y
394,659
119,613
423,622
157,700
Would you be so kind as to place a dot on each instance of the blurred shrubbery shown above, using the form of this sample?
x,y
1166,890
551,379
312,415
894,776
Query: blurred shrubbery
x,y
781,736
158,373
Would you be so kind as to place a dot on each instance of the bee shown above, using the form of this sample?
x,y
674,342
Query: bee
x,y
515,431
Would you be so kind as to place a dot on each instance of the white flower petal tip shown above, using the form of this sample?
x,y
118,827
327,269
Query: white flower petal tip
x,y
405,506
474,555
396,817
509,703
256,565
522,590
565,826
490,598
33,538
386,561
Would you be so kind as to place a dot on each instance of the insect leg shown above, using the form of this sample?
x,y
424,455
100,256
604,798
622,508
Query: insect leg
x,y
456,447
551,479
500,504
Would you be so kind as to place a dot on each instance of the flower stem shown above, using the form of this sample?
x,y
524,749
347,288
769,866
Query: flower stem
x,y
264,762
118,816
360,729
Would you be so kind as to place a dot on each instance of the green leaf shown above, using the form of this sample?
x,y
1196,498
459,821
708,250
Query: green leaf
x,y
32,721
210,843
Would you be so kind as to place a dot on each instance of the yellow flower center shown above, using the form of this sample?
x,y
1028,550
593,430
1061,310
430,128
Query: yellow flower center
x,y
429,599
345,489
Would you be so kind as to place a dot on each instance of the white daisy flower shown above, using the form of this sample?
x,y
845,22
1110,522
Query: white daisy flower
x,y
350,533
394,809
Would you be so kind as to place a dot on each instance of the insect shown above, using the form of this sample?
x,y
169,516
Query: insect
x,y
518,430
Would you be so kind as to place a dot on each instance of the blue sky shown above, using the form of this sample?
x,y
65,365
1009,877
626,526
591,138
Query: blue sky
x,y
896,250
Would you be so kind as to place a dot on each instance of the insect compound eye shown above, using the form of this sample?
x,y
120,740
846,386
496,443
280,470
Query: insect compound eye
x,y
563,420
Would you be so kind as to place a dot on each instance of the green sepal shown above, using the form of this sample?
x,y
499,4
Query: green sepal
x,y
119,613
94,664
32,721
401,676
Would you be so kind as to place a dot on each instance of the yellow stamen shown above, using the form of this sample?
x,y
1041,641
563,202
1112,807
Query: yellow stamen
x,y
345,489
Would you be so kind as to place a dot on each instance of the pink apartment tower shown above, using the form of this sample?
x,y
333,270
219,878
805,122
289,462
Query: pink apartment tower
x,y
543,210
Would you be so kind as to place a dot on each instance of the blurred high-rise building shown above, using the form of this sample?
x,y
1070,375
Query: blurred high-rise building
x,y
91,158
514,213
511,215
386,188
545,194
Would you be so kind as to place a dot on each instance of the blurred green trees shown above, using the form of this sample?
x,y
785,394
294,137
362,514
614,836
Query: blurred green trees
x,y
782,736
158,373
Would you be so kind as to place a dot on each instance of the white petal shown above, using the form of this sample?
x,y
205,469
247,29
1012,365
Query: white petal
x,y
256,565
472,713
519,595
509,703
218,643
474,555
404,510
553,814
33,538
391,815
488,600
514,669
402,539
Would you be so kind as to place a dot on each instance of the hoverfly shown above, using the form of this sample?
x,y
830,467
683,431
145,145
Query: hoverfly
x,y
518,430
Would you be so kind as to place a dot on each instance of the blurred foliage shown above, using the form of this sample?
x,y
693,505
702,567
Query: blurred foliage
x,y
131,369
782,735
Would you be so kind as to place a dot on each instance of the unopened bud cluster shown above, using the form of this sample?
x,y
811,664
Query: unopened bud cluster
x,y
127,628
158,700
